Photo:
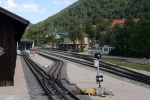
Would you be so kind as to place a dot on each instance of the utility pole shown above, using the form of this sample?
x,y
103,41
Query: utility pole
x,y
95,32
76,36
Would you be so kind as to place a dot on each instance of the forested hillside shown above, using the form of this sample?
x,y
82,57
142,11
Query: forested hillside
x,y
91,12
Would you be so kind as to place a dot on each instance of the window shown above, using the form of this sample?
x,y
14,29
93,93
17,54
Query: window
x,y
105,49
121,25
109,49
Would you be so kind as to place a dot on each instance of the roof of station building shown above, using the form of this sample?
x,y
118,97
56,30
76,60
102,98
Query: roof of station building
x,y
61,33
26,41
84,34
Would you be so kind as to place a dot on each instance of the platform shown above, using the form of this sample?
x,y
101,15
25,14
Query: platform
x,y
19,91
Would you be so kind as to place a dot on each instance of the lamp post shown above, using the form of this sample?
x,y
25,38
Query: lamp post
x,y
94,41
39,37
76,35
144,60
95,31
42,44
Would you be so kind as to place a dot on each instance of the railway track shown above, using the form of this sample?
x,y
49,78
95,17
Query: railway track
x,y
107,67
50,81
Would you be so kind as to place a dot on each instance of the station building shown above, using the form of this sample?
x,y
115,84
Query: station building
x,y
68,44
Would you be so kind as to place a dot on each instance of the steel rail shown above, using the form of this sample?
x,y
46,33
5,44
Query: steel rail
x,y
124,73
38,77
89,58
86,57
58,81
46,78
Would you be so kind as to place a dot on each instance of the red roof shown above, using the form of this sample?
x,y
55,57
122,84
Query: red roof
x,y
121,21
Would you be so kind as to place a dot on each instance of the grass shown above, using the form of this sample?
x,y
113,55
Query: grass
x,y
128,64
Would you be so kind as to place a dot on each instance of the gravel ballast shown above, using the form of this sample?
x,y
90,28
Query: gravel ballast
x,y
35,90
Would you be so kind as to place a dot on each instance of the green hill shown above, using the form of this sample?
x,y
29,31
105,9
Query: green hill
x,y
93,11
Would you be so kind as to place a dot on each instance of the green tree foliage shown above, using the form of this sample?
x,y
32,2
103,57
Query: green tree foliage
x,y
76,32
95,12
92,11
133,39
140,38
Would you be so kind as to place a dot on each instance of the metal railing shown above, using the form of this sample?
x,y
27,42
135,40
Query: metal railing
x,y
1,51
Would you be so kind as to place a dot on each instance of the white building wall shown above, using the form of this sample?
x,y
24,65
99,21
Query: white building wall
x,y
106,49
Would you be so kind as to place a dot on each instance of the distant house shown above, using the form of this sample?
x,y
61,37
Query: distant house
x,y
68,44
120,22
106,49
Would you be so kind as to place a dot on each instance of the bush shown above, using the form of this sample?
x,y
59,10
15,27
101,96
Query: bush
x,y
80,50
125,53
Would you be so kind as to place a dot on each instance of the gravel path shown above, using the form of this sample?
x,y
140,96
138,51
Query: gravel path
x,y
36,93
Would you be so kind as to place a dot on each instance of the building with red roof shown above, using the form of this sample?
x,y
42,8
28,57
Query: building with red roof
x,y
120,22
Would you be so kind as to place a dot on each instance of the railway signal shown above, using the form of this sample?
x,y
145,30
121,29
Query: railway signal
x,y
97,55
99,78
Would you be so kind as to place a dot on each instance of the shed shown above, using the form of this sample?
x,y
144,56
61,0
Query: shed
x,y
25,44
12,28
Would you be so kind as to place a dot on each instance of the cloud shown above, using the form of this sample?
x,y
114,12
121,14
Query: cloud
x,y
10,3
61,2
32,7
26,7
56,2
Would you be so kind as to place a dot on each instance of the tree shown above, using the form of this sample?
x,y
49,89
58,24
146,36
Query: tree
x,y
140,39
89,29
75,32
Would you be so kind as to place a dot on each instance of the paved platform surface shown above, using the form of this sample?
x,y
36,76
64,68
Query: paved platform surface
x,y
19,91
86,78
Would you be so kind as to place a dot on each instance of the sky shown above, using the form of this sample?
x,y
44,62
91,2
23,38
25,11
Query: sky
x,y
35,10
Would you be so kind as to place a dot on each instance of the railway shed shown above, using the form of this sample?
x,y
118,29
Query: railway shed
x,y
25,44
12,28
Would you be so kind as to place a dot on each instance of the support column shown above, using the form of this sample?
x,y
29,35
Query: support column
x,y
25,47
33,45
17,45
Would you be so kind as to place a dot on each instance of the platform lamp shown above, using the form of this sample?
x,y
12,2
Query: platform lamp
x,y
95,31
